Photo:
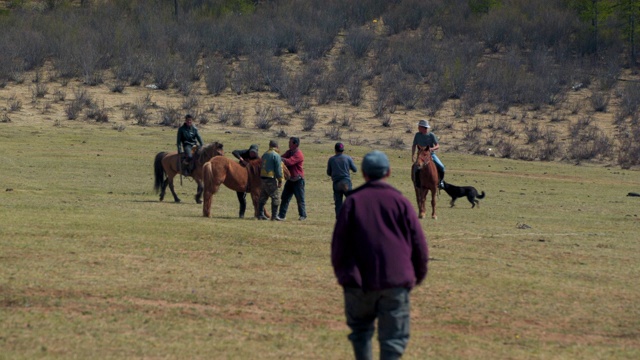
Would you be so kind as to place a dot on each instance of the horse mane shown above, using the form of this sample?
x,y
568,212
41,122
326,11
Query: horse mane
x,y
210,150
253,167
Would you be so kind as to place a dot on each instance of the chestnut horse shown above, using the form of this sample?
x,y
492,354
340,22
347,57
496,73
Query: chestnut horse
x,y
428,180
221,170
167,164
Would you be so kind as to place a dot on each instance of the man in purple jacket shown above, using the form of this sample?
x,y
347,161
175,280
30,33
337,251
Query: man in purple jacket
x,y
379,253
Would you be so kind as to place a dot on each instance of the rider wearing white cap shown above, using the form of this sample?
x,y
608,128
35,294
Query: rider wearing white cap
x,y
424,137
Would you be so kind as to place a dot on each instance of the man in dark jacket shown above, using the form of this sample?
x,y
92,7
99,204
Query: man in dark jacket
x,y
379,253
188,137
245,156
339,167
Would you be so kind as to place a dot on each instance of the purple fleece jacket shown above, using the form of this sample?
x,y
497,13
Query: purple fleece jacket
x,y
378,242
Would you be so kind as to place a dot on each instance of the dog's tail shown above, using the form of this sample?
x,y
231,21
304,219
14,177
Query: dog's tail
x,y
481,196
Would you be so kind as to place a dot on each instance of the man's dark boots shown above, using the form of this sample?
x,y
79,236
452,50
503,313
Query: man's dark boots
x,y
274,213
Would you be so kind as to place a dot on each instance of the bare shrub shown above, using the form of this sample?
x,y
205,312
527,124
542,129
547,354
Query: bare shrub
x,y
396,142
589,142
550,148
334,133
327,89
39,91
73,109
224,115
215,77
386,121
629,149
170,116
5,118
237,118
354,90
309,120
98,113
264,119
433,101
59,95
630,100
533,133
190,102
140,112
599,101
359,40
118,87
14,104
507,148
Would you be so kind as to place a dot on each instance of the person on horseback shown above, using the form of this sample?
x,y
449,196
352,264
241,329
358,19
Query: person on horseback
x,y
188,137
244,156
426,138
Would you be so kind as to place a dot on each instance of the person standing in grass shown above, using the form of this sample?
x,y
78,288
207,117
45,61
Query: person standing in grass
x,y
244,156
339,167
272,178
294,161
379,253
188,137
425,138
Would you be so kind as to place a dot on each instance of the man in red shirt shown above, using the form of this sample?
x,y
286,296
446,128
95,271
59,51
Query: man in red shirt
x,y
293,159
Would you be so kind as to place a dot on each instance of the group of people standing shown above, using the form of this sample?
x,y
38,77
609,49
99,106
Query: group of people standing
x,y
379,251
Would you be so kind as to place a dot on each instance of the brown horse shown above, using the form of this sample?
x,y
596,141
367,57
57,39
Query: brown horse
x,y
221,170
428,180
167,164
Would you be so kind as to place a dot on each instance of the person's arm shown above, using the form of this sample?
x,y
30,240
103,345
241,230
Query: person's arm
x,y
329,167
352,165
199,138
178,141
237,154
419,248
292,159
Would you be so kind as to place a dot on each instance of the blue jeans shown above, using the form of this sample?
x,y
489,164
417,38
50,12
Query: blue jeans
x,y
391,308
292,188
340,189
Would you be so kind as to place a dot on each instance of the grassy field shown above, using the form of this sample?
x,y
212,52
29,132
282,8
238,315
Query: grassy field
x,y
92,265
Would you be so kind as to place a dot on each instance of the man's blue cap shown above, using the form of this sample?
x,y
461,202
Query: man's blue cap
x,y
375,164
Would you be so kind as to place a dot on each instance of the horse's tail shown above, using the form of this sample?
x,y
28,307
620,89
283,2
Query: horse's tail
x,y
481,196
158,171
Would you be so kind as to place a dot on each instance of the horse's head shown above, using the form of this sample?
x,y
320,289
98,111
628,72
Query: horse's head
x,y
424,156
210,150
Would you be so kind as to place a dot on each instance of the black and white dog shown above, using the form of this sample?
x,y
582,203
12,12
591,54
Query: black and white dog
x,y
461,191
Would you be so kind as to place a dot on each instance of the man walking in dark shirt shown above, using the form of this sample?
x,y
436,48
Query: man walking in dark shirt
x,y
338,168
379,253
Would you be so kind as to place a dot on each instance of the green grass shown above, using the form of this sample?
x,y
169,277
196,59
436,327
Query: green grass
x,y
92,265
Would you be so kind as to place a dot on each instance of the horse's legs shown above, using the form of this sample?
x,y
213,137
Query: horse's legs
x,y
163,188
208,200
420,199
173,191
199,192
433,204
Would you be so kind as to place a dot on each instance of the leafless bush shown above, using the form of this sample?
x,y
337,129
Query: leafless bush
x,y
59,95
580,126
327,89
405,15
5,118
533,133
264,119
507,148
98,113
386,120
354,90
629,149
39,91
588,143
170,116
118,87
316,41
215,77
73,109
237,118
140,112
14,104
599,101
433,101
224,115
630,100
396,142
190,102
334,133
309,120
359,40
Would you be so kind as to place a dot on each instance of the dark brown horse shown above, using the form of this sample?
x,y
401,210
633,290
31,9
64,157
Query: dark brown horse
x,y
427,174
224,171
166,167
